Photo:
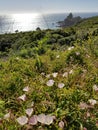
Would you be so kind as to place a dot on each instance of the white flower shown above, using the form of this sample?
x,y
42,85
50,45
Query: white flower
x,y
54,74
22,97
17,58
7,116
48,76
22,120
70,48
43,74
33,120
61,85
61,124
29,111
45,119
88,56
65,74
32,103
58,56
92,102
48,119
77,53
50,82
95,87
41,118
26,89
71,72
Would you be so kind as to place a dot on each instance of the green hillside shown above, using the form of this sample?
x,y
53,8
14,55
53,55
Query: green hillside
x,y
49,78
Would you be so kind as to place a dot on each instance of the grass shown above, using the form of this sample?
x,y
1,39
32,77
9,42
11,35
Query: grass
x,y
30,60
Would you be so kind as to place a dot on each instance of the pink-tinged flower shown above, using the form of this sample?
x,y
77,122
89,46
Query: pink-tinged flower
x,y
41,118
22,120
7,116
97,124
50,83
33,120
84,128
29,111
65,74
61,85
83,105
54,117
26,89
22,97
87,114
54,74
95,88
92,102
61,124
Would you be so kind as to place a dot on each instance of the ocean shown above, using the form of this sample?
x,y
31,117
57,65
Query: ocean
x,y
29,22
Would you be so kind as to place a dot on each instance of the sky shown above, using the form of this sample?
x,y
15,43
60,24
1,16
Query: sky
x,y
47,6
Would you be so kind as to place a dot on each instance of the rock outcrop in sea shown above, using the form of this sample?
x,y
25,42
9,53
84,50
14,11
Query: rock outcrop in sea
x,y
69,21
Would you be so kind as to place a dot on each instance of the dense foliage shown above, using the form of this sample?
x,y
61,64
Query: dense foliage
x,y
54,74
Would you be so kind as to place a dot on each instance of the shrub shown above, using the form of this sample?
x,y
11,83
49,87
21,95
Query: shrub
x,y
74,58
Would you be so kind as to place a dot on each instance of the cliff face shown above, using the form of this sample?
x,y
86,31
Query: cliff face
x,y
69,21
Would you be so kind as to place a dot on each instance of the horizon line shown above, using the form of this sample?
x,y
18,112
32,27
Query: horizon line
x,y
10,13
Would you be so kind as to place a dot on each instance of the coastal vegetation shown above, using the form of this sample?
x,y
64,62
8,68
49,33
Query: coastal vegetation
x,y
49,78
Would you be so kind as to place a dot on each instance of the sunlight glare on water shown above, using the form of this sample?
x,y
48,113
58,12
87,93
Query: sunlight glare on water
x,y
25,21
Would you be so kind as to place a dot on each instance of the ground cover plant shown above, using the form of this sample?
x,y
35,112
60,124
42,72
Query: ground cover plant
x,y
49,79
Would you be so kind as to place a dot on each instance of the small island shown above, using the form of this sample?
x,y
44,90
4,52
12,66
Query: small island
x,y
69,21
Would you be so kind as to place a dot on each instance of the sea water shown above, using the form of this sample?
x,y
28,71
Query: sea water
x,y
29,22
